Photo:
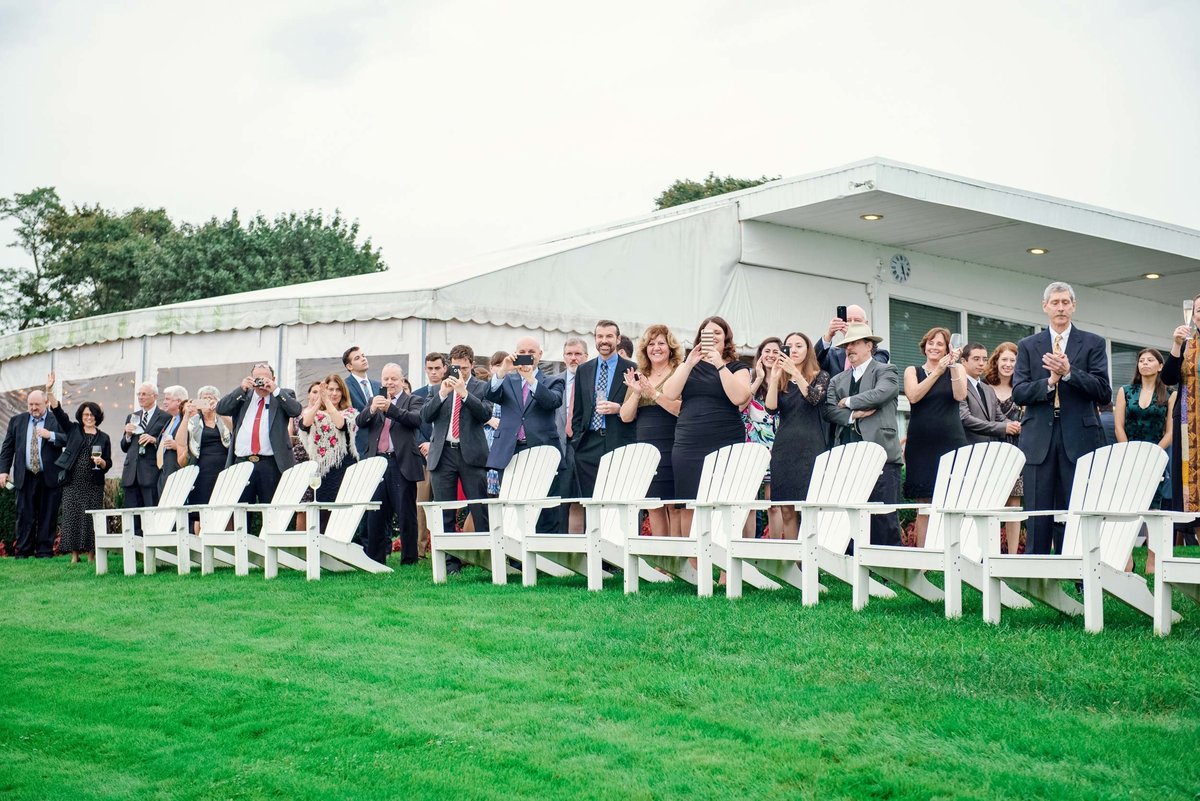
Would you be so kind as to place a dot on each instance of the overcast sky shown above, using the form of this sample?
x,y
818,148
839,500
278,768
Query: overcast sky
x,y
454,128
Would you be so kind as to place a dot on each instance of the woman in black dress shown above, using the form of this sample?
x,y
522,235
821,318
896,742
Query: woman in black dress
x,y
81,469
713,387
796,391
1001,366
203,439
934,391
658,354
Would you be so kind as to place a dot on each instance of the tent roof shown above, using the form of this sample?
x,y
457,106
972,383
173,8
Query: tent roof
x,y
923,210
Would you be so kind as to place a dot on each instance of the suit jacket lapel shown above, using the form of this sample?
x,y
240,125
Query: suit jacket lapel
x,y
1074,345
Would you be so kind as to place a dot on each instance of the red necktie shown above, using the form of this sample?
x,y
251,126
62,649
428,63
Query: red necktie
x,y
454,416
255,442
570,406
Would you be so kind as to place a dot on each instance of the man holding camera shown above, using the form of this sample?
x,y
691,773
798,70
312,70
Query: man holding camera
x,y
528,399
835,360
458,449
391,423
261,410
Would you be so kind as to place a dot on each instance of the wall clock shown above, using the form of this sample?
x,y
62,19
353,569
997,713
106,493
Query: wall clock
x,y
901,268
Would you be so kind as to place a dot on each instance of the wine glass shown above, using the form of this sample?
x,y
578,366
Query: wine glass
x,y
957,341
314,483
95,456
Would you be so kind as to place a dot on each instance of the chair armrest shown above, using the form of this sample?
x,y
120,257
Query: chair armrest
x,y
756,505
640,503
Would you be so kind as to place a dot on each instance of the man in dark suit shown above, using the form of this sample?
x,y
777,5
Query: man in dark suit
x,y
391,423
139,474
261,411
980,412
32,444
1060,379
566,484
528,399
596,425
861,403
360,387
435,373
458,450
834,360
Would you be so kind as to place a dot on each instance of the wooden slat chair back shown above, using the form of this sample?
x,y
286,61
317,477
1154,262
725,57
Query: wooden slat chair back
x,y
1116,478
732,475
231,483
288,492
358,486
844,475
624,474
175,491
979,476
529,476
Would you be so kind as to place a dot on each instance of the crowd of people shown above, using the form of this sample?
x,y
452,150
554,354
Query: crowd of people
x,y
452,438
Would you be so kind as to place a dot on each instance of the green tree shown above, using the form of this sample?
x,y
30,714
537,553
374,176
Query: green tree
x,y
29,296
687,190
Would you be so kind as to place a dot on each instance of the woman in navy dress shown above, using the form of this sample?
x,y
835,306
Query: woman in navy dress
x,y
712,386
934,391
658,354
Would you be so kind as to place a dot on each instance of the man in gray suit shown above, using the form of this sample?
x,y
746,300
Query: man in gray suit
x,y
861,403
980,411
261,411
458,449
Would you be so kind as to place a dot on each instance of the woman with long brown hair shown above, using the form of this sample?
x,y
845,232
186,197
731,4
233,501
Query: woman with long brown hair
x,y
999,374
658,354
712,386
327,430
796,390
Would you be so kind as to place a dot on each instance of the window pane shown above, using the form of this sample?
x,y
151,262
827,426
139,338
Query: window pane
x,y
1124,363
990,332
910,321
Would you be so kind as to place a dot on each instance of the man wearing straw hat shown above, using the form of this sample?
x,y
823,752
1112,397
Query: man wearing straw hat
x,y
861,403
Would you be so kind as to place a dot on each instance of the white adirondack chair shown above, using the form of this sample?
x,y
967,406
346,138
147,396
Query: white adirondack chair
x,y
623,477
159,524
1110,498
215,517
1172,572
523,495
729,482
973,483
248,548
332,547
841,483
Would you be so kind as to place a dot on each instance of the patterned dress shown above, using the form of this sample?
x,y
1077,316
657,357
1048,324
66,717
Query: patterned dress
x,y
1145,425
81,493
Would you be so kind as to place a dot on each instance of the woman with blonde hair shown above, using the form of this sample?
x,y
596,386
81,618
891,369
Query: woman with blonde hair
x,y
658,354
999,374
796,391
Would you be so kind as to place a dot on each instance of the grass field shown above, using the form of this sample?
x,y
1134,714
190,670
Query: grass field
x,y
361,687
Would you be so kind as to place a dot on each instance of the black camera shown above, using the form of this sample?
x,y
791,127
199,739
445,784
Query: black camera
x,y
453,371
259,383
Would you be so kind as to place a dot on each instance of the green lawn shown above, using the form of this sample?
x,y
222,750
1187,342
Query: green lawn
x,y
360,687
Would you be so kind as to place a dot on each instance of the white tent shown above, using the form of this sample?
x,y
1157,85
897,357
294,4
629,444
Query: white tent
x,y
771,259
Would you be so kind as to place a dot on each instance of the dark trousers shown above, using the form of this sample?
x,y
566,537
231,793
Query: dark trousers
x,y
140,495
398,499
443,482
885,529
548,519
264,479
1048,486
587,461
37,513
566,485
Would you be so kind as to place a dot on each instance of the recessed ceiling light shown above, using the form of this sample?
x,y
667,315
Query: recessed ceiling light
x,y
1037,251
870,217
1152,276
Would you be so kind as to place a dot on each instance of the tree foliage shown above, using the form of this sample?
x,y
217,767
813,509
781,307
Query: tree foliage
x,y
686,190
91,260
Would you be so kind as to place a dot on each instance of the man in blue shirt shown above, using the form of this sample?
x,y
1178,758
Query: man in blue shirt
x,y
31,446
596,425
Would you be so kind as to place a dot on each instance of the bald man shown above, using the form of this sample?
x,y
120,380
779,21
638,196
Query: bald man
x,y
833,360
31,446
528,401
391,424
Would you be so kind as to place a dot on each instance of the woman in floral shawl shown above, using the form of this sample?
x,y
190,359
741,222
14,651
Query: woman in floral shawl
x,y
327,431
1181,369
